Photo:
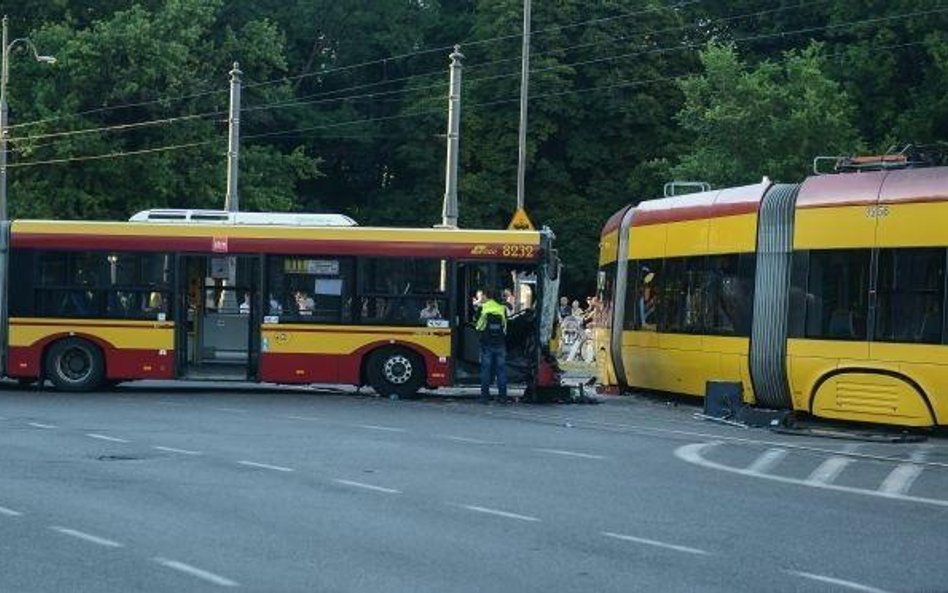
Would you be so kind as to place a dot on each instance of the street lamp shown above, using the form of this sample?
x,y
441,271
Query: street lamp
x,y
4,76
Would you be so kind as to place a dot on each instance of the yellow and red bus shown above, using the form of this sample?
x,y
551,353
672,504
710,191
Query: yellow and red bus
x,y
826,297
267,298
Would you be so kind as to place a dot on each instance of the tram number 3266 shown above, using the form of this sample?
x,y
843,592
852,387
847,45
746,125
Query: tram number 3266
x,y
877,211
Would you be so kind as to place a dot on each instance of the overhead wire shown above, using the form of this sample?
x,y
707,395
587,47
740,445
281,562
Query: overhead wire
x,y
116,154
692,25
302,100
36,122
483,104
443,48
533,97
119,127
466,44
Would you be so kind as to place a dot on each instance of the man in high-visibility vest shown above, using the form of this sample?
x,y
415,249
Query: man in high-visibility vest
x,y
492,326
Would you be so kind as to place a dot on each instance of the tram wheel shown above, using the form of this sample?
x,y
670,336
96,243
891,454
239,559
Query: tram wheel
x,y
75,364
396,371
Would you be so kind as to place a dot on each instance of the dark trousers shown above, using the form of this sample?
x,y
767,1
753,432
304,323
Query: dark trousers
x,y
493,362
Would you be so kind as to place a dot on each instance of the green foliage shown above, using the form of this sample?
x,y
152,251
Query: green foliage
x,y
770,120
108,74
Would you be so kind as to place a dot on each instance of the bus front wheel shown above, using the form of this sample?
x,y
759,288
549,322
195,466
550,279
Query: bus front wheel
x,y
396,371
75,364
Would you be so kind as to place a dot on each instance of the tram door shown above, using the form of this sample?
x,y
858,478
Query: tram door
x,y
218,300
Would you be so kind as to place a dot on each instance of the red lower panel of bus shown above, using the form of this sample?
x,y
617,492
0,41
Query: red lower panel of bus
x,y
330,368
125,363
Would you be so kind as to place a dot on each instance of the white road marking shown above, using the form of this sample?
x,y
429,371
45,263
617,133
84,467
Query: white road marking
x,y
40,425
633,428
165,402
278,468
569,453
232,410
86,537
368,486
196,572
692,454
904,475
10,512
767,460
383,428
657,544
173,450
303,417
833,581
829,470
103,437
467,440
499,513
3,417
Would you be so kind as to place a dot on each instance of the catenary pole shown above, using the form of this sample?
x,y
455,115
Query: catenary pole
x,y
524,93
232,201
3,126
449,213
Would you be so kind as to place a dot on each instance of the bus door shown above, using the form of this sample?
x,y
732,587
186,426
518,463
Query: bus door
x,y
219,302
516,286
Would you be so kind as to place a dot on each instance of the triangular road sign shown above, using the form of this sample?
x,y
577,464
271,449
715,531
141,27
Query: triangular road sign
x,y
520,221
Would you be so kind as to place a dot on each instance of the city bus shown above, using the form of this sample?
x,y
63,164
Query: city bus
x,y
825,297
276,298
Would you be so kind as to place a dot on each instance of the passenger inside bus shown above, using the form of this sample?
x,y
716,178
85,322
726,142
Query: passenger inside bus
x,y
156,303
430,311
304,302
275,307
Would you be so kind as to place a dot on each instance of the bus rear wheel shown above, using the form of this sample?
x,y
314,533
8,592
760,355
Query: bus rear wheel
x,y
395,371
75,364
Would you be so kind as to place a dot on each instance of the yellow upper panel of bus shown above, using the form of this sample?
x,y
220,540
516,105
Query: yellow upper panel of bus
x,y
219,238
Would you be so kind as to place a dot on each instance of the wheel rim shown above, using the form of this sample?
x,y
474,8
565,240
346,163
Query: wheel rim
x,y
397,369
75,365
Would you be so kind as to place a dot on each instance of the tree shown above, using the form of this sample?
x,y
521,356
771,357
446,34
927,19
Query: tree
x,y
125,69
770,120
602,101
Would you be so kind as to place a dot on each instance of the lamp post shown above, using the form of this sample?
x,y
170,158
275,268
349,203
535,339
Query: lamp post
x,y
4,77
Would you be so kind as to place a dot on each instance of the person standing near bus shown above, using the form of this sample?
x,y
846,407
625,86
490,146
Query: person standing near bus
x,y
492,327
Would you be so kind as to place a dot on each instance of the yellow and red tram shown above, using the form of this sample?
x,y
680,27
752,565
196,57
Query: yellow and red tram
x,y
826,297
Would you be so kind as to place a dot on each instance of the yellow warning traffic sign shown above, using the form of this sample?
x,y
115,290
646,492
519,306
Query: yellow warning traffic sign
x,y
520,221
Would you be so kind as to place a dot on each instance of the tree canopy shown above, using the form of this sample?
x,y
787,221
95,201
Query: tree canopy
x,y
345,103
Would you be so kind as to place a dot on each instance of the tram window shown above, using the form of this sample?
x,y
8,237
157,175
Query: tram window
x,y
726,296
685,299
643,297
911,296
837,297
796,322
605,292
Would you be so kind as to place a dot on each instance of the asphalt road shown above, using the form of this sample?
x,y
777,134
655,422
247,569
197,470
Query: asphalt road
x,y
186,489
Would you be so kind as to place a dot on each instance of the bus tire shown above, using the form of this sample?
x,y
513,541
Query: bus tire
x,y
395,371
74,364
